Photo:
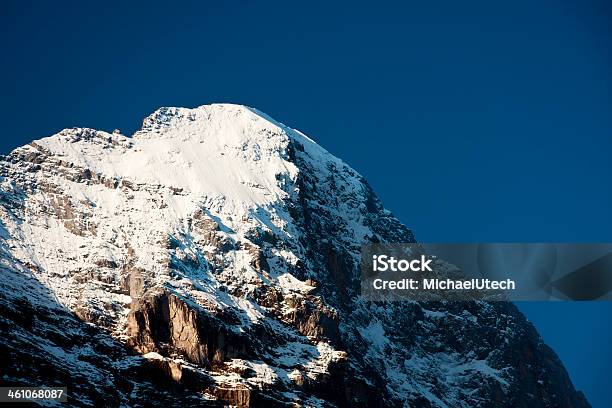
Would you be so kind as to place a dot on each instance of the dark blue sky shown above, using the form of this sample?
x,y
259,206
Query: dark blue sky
x,y
473,121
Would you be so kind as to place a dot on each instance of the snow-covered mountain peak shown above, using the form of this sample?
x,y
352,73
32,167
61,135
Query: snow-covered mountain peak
x,y
213,150
234,119
239,170
224,247
231,124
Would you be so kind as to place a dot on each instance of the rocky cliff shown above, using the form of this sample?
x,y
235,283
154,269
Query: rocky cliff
x,y
213,259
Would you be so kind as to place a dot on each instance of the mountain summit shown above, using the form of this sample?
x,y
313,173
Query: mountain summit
x,y
213,259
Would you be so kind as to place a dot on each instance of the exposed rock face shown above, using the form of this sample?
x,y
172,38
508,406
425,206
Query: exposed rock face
x,y
163,321
213,259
